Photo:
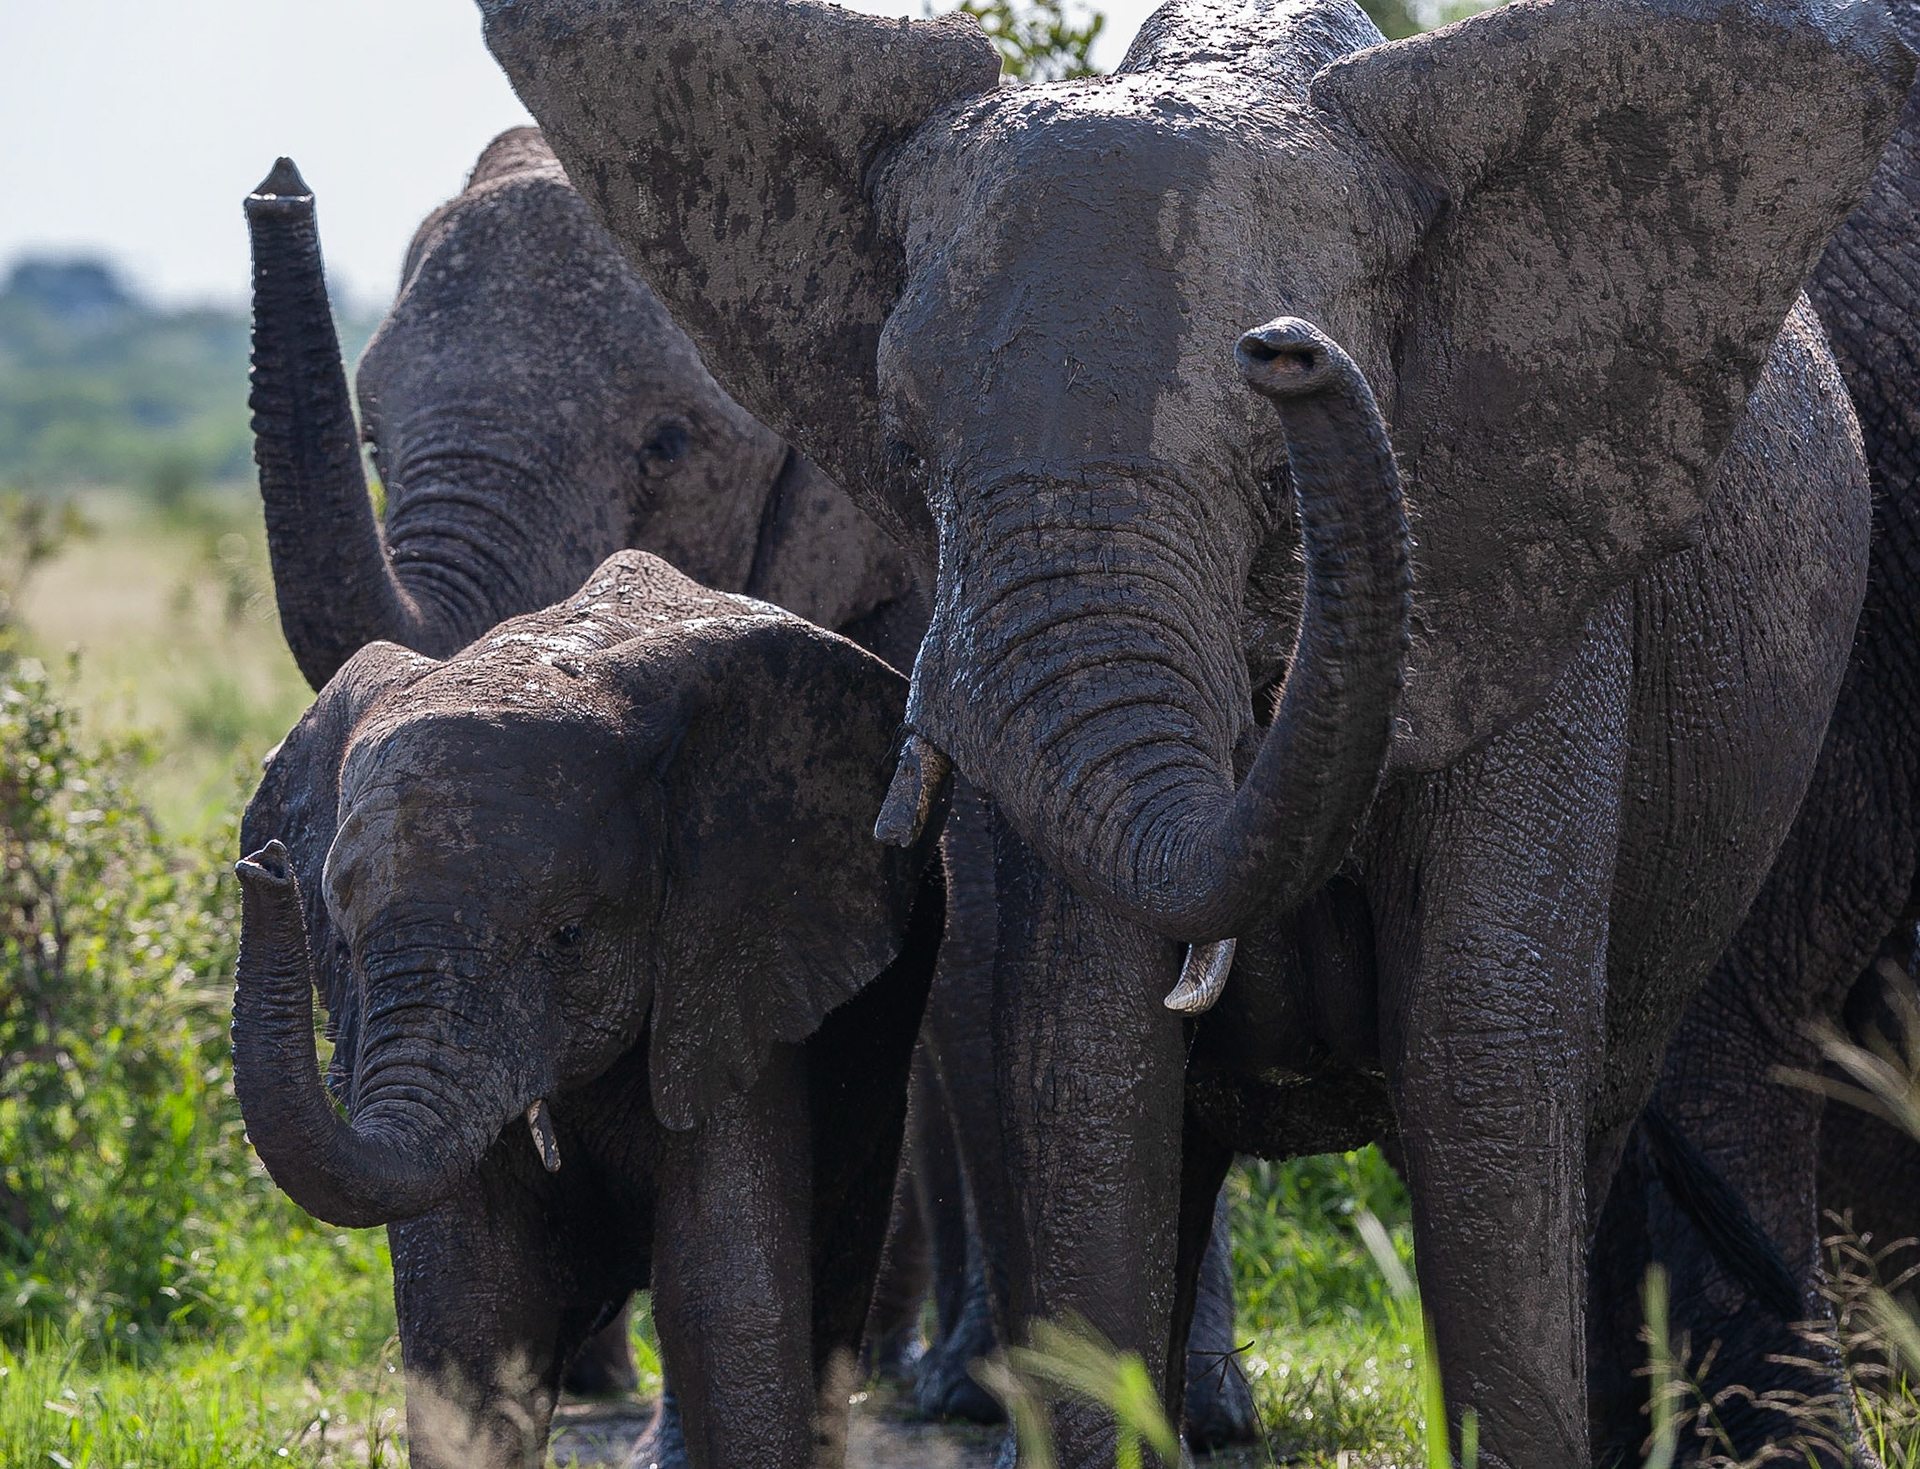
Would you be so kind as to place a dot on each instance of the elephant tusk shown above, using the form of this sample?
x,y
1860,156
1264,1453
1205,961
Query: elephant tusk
x,y
1202,977
540,1124
916,785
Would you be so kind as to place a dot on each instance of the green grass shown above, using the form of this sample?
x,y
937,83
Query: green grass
x,y
159,622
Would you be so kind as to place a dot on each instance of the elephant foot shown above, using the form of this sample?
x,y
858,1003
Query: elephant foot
x,y
1219,1409
664,1444
945,1388
895,1357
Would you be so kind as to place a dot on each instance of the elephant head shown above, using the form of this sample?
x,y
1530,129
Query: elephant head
x,y
641,815
531,408
1556,241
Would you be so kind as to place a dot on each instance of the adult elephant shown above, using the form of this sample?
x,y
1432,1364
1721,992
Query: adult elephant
x,y
1844,892
532,409
1563,243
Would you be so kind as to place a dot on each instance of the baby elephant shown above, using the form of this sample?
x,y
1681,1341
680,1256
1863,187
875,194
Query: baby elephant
x,y
623,992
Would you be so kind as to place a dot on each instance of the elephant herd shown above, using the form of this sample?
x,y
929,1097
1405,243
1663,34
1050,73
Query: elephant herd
x,y
1408,560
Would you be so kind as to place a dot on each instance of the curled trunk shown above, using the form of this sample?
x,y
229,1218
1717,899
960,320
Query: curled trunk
x,y
334,582
396,1160
1088,695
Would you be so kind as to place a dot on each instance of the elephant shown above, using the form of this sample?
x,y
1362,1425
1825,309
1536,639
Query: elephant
x,y
531,409
601,890
1840,900
516,307
1532,290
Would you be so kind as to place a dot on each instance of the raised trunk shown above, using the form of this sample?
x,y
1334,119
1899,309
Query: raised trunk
x,y
336,588
1091,694
399,1158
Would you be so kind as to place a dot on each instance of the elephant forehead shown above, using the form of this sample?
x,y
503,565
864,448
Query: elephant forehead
x,y
523,267
472,822
1103,246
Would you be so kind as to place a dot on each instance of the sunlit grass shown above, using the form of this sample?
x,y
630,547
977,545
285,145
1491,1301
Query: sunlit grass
x,y
160,622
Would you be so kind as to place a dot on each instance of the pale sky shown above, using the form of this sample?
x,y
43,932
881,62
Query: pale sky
x,y
138,125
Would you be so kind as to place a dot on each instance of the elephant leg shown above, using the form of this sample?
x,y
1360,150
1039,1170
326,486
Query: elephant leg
x,y
663,1445
859,1069
970,1213
1761,1141
1091,1069
945,1387
891,1349
1219,1407
604,1367
479,1303
731,1282
1869,1169
1214,1405
1490,886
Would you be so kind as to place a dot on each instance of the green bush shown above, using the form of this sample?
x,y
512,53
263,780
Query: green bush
x,y
116,1125
1039,42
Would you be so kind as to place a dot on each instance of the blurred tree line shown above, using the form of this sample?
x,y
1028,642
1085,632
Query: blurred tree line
x,y
100,386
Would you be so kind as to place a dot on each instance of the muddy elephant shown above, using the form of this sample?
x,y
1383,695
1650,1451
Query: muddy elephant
x,y
1534,276
1841,898
622,989
532,409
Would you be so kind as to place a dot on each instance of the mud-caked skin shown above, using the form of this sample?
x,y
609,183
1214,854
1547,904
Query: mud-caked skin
x,y
1554,251
531,409
1842,893
623,991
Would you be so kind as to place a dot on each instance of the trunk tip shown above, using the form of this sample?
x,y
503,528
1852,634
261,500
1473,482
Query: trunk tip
x,y
1287,358
271,866
282,182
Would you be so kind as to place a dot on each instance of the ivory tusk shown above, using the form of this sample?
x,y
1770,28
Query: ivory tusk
x,y
540,1124
1202,977
916,785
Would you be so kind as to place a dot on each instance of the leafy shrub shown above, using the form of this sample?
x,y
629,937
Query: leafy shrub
x,y
114,1130
1039,42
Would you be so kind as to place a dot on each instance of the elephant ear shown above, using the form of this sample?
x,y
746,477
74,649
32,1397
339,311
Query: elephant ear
x,y
779,903
1630,196
726,145
298,803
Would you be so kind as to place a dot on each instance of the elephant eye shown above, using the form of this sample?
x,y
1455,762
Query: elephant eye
x,y
569,935
666,445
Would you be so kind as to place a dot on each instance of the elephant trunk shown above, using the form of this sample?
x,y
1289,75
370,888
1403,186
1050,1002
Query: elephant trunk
x,y
336,588
400,1157
1087,697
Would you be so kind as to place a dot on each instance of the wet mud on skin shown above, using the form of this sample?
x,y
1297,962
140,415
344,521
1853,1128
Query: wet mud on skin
x,y
884,1435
